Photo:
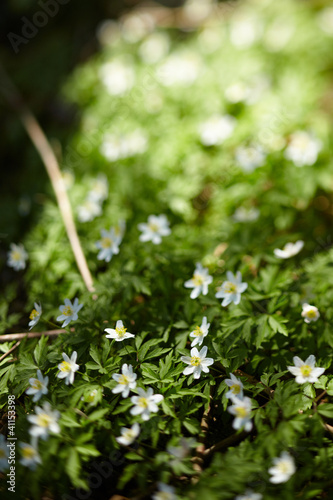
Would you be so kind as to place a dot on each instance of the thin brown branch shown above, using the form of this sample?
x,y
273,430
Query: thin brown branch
x,y
10,350
50,161
225,443
199,452
31,335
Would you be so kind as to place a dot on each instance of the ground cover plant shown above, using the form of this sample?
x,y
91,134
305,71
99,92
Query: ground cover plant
x,y
201,181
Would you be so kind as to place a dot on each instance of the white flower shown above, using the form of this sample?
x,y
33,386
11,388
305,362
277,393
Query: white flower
x,y
236,387
108,245
284,467
325,20
289,250
128,435
17,256
100,189
197,362
250,157
237,92
119,333
231,290
245,30
200,281
38,386
44,421
249,495
156,227
303,149
145,403
310,313
241,408
68,367
69,311
165,492
91,397
305,371
117,76
180,452
4,453
30,456
200,332
243,214
35,315
117,147
154,48
216,130
126,381
89,210
180,69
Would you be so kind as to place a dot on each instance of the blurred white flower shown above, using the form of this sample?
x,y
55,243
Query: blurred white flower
x,y
325,20
145,403
126,380
108,245
165,492
216,129
17,256
305,371
180,69
136,25
197,362
241,408
200,281
68,367
250,157
154,48
310,313
249,495
118,76
99,190
69,311
44,421
200,332
243,214
38,386
237,92
245,30
29,456
231,290
119,333
289,250
303,148
128,436
283,468
117,147
88,210
236,387
278,34
35,315
156,227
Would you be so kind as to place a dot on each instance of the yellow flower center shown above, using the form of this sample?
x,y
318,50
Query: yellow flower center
x,y
198,280
44,420
283,467
28,452
153,227
128,434
230,287
106,242
143,402
195,361
34,314
241,412
235,388
65,367
306,370
37,385
123,380
16,255
120,330
68,311
197,332
311,313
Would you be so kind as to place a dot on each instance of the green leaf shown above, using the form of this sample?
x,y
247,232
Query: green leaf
x,y
41,350
326,409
